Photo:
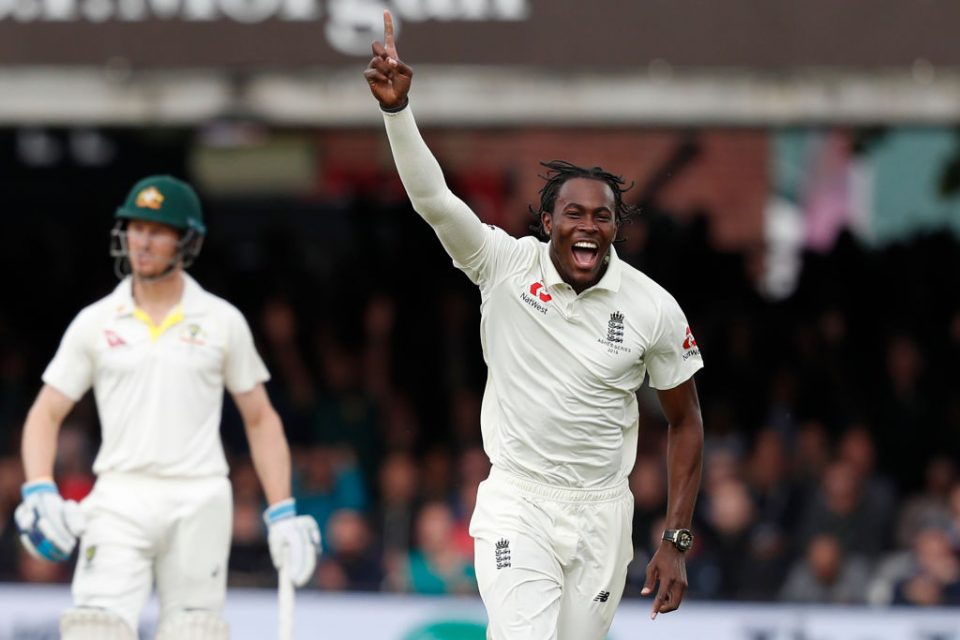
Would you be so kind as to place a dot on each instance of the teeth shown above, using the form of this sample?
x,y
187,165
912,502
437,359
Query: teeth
x,y
585,245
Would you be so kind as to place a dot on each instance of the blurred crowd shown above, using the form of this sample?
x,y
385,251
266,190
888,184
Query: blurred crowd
x,y
832,417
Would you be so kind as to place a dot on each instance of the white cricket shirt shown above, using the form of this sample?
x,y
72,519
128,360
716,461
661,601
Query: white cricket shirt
x,y
560,403
159,390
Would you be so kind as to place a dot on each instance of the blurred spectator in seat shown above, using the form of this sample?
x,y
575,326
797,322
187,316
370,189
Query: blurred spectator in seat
x,y
903,405
953,504
474,467
435,566
839,509
857,447
932,505
436,481
811,455
778,503
730,555
826,574
935,578
353,562
346,415
465,416
399,490
291,385
11,478
328,480
249,563
648,484
401,424
768,475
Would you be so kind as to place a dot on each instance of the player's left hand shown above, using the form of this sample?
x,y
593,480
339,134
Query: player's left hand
x,y
294,540
669,567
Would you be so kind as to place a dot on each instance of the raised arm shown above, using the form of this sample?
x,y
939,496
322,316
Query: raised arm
x,y
459,229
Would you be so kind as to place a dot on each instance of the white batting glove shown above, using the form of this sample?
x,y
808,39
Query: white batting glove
x,y
294,540
49,526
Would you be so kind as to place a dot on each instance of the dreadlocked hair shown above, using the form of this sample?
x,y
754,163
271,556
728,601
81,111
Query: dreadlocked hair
x,y
558,172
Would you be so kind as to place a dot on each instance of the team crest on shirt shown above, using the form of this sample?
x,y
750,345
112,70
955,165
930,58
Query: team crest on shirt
x,y
193,334
613,339
501,553
88,554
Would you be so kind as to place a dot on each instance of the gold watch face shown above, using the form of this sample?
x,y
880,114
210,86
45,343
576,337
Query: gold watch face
x,y
684,540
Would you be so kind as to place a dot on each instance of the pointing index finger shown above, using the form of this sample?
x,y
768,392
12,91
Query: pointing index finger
x,y
388,40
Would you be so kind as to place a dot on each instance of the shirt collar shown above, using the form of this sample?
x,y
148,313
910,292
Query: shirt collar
x,y
610,280
191,300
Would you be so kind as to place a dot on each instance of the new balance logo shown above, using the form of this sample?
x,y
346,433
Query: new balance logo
x,y
502,553
602,596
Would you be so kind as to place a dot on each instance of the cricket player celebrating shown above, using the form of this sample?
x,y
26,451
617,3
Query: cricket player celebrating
x,y
569,333
158,352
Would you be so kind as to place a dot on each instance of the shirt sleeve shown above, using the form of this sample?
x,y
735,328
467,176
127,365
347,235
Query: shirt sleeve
x,y
500,255
71,370
460,231
243,368
674,357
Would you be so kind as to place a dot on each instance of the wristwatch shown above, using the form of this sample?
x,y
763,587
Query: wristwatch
x,y
681,538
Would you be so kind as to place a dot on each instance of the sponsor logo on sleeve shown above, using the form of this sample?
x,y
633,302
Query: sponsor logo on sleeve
x,y
690,345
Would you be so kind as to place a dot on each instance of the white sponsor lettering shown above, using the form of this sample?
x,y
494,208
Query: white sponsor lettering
x,y
300,10
351,24
250,10
97,10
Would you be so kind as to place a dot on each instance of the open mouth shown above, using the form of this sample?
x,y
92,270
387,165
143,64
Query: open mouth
x,y
585,254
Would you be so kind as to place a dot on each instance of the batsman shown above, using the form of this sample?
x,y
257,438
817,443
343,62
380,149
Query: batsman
x,y
158,352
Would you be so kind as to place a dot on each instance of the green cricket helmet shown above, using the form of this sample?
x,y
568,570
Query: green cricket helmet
x,y
166,200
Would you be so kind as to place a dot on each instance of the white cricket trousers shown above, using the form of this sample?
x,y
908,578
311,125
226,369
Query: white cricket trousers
x,y
551,562
141,529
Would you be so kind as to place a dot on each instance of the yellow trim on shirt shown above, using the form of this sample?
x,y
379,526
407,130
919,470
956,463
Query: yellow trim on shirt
x,y
172,318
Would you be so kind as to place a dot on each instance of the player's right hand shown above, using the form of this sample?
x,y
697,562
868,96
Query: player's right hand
x,y
388,77
49,526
